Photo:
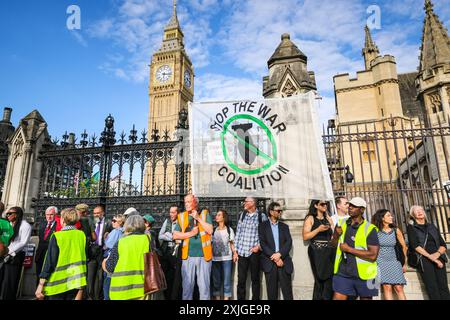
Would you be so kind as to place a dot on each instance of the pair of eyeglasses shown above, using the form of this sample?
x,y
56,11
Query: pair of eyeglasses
x,y
279,211
113,220
10,213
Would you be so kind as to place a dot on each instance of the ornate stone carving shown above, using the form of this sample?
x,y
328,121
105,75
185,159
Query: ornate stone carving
x,y
18,146
448,94
289,89
435,102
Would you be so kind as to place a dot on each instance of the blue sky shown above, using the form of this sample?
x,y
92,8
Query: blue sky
x,y
75,78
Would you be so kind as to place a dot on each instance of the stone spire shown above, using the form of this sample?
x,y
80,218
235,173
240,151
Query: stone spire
x,y
288,74
286,50
370,50
173,36
435,49
173,22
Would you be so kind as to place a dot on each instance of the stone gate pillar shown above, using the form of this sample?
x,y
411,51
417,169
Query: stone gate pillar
x,y
23,170
302,280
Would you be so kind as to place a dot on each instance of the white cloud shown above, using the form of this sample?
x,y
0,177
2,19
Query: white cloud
x,y
139,8
327,60
217,87
415,8
326,109
204,5
198,50
410,8
79,37
395,43
138,29
101,29
254,28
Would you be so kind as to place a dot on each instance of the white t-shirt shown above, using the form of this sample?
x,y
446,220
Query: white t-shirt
x,y
221,245
21,240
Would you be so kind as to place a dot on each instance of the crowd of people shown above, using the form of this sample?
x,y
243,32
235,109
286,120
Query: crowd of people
x,y
80,256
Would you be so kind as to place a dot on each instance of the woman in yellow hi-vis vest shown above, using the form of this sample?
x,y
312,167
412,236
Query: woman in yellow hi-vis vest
x,y
63,275
125,262
355,268
195,229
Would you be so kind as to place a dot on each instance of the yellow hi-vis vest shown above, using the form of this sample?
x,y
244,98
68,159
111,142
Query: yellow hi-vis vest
x,y
183,221
366,270
341,221
127,281
70,271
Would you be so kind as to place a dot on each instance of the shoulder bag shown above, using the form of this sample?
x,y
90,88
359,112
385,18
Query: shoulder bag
x,y
415,258
399,249
154,279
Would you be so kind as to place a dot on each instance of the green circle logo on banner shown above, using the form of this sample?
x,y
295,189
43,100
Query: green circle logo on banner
x,y
247,149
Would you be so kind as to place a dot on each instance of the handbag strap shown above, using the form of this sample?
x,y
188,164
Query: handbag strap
x,y
424,244
149,243
426,239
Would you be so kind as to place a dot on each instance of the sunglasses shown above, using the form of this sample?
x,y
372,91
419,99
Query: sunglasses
x,y
113,220
323,204
10,213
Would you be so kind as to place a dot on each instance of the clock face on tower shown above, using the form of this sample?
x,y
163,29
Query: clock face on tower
x,y
187,79
163,73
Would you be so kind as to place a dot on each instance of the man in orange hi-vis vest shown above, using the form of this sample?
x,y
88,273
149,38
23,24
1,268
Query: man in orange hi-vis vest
x,y
195,227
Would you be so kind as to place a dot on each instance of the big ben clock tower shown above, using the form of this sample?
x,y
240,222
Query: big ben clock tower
x,y
171,79
171,89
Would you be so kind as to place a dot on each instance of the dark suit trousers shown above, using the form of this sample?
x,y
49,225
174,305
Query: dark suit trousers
x,y
276,278
177,288
95,278
435,281
169,266
244,263
11,277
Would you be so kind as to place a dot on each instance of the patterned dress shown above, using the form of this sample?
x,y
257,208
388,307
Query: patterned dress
x,y
390,269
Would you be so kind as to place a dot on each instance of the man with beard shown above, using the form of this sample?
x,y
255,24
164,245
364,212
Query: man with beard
x,y
95,271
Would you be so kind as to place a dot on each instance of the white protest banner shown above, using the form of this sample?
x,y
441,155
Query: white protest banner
x,y
270,148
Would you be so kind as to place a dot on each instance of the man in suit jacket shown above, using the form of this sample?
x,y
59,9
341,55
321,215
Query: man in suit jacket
x,y
46,229
101,227
276,243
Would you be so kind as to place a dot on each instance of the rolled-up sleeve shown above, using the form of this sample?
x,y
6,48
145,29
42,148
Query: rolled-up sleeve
x,y
112,239
165,236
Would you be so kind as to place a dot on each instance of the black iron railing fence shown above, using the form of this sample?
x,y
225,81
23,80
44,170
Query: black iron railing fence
x,y
393,163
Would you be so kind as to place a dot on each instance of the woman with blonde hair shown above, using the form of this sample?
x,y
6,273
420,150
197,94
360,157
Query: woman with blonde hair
x,y
110,241
430,248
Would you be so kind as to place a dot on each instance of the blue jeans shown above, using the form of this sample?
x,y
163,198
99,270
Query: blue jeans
x,y
221,275
106,285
